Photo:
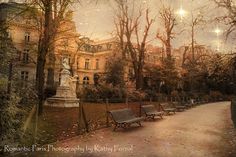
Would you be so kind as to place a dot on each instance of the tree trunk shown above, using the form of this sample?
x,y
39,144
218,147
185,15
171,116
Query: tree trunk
x,y
50,77
40,82
192,43
168,49
43,49
139,79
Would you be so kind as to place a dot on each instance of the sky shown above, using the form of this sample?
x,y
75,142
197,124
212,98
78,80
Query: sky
x,y
96,20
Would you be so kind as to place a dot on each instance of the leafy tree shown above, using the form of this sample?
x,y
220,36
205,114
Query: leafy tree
x,y
11,117
115,72
164,78
169,75
220,74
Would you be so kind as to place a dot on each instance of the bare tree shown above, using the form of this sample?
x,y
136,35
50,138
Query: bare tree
x,y
230,20
195,22
230,17
52,13
131,42
168,19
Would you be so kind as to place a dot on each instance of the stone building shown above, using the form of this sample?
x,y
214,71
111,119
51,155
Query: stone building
x,y
21,28
87,58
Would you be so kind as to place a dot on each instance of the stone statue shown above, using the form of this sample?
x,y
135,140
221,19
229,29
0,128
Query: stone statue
x,y
67,80
66,91
69,15
65,64
65,73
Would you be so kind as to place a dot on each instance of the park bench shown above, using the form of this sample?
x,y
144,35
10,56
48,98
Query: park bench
x,y
178,106
167,110
193,102
150,111
123,118
186,104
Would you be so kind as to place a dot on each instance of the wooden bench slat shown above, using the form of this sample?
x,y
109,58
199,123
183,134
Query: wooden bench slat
x,y
124,118
151,111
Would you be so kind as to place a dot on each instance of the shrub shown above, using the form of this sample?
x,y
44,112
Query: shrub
x,y
136,95
10,119
115,94
216,95
150,94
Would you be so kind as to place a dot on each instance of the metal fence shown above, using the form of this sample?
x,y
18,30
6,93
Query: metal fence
x,y
63,123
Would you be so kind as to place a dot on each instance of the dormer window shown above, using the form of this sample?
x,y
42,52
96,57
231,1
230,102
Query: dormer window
x,y
108,46
28,21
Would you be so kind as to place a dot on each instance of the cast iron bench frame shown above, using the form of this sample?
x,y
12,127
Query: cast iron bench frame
x,y
168,110
123,118
178,106
150,111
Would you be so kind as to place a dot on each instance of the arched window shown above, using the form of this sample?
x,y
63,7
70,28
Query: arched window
x,y
86,80
86,65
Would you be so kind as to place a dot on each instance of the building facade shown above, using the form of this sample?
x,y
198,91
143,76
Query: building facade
x,y
87,58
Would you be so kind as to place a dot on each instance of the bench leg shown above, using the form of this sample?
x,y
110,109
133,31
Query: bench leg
x,y
139,123
161,116
149,117
126,125
116,125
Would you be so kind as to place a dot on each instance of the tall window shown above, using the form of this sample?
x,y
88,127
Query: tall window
x,y
8,34
86,80
86,66
77,80
24,78
97,64
27,36
77,64
19,55
26,56
106,62
24,75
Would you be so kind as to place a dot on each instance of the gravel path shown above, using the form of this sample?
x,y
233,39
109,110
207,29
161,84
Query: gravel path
x,y
203,131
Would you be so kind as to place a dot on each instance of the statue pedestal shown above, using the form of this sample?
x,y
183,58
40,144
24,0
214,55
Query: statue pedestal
x,y
64,97
62,102
66,92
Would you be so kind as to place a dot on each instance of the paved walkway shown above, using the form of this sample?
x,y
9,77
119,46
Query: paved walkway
x,y
197,132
